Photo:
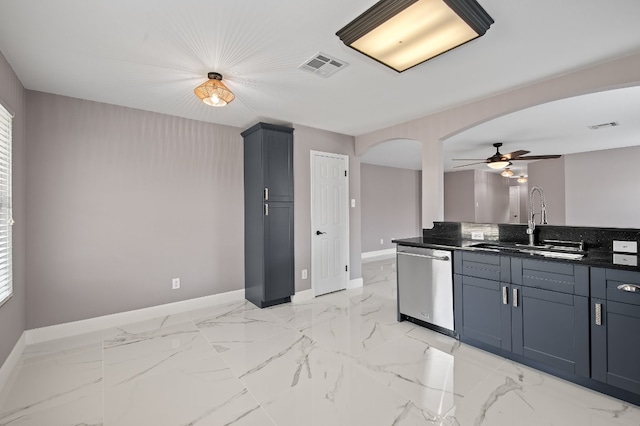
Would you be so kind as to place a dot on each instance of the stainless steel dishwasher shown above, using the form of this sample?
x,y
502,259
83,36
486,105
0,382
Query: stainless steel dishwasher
x,y
425,288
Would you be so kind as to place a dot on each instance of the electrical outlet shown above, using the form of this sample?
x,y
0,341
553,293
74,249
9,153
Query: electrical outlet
x,y
304,274
381,241
479,235
175,283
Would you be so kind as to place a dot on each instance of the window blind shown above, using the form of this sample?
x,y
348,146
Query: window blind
x,y
6,220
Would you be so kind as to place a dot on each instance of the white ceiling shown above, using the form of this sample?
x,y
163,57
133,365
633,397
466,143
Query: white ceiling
x,y
150,54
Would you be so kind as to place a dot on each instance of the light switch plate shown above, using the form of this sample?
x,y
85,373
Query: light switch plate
x,y
625,259
625,246
353,202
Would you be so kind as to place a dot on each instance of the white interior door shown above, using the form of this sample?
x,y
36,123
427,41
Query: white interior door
x,y
514,204
329,222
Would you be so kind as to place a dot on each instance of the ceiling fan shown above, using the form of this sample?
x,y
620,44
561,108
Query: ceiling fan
x,y
500,161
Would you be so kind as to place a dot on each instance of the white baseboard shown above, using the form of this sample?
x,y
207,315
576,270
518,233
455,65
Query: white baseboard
x,y
44,334
355,283
302,296
379,254
12,361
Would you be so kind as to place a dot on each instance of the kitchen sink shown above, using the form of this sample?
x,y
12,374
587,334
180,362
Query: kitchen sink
x,y
546,250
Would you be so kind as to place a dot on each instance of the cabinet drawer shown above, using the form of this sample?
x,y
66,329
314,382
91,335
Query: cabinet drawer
x,y
616,285
554,276
487,266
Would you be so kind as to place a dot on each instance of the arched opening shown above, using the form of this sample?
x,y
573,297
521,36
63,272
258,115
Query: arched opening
x,y
598,136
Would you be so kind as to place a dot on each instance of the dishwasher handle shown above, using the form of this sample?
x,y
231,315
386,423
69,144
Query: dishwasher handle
x,y
427,256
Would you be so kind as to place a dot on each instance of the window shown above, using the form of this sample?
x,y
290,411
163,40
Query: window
x,y
6,221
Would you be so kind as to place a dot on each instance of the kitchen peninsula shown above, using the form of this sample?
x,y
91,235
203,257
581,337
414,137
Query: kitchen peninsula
x,y
569,306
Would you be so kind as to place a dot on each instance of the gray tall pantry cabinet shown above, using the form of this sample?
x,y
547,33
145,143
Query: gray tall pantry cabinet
x,y
268,214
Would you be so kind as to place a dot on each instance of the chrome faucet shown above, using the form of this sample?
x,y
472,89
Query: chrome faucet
x,y
543,212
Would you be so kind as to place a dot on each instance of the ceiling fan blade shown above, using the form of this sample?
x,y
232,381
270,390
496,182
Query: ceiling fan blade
x,y
537,157
468,159
470,164
515,154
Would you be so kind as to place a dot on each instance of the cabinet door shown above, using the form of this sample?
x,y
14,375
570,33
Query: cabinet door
x,y
278,251
614,344
486,315
278,165
552,328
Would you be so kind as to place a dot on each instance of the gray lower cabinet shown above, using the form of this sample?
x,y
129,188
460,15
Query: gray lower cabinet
x,y
551,313
268,224
479,283
482,315
552,328
508,303
615,321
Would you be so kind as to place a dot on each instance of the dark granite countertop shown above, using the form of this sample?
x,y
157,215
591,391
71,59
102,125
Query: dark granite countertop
x,y
595,257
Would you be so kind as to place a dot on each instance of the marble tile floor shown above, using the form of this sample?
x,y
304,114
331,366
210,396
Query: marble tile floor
x,y
339,359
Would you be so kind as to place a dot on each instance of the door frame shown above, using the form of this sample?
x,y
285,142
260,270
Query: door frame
x,y
312,154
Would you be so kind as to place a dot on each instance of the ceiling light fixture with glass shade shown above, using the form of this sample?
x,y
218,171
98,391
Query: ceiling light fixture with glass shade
x,y
404,33
522,179
497,165
507,172
213,92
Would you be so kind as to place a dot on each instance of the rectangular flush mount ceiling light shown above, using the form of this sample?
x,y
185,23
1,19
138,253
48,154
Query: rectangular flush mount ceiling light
x,y
404,33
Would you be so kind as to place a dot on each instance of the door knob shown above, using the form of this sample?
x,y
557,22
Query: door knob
x,y
320,233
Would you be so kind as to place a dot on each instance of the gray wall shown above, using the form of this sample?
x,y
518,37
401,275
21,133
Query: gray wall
x,y
13,312
390,205
459,196
602,188
492,198
306,139
476,196
138,198
120,201
550,176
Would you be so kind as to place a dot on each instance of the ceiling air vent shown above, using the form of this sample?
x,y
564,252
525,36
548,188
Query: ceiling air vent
x,y
323,65
600,126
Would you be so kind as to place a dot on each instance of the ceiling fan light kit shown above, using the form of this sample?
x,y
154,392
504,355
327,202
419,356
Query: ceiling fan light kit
x,y
499,161
404,33
507,172
497,165
213,92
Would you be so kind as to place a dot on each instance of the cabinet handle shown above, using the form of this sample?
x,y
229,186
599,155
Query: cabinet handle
x,y
598,313
515,297
266,194
266,209
505,295
631,288
426,256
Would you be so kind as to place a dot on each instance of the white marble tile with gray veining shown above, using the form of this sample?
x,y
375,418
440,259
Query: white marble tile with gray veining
x,y
274,364
369,323
129,356
202,392
338,359
52,383
515,390
432,379
61,347
301,316
343,395
237,324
